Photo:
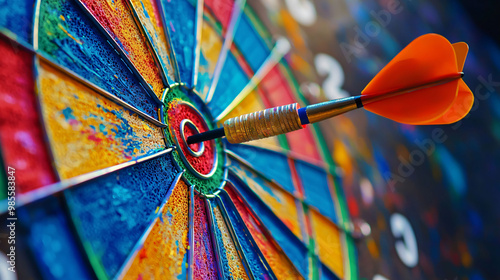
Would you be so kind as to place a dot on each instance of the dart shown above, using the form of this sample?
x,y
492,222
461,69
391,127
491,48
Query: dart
x,y
422,85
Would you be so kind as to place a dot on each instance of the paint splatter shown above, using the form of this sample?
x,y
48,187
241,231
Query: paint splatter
x,y
164,253
79,148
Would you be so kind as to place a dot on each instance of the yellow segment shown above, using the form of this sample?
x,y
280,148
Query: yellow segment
x,y
235,265
88,132
282,203
119,22
163,255
327,236
210,46
146,13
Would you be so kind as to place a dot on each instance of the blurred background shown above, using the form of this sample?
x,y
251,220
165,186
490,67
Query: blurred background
x,y
429,193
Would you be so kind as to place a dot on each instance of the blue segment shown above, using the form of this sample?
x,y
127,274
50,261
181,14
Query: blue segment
x,y
254,257
250,43
304,119
220,243
180,19
69,37
272,164
113,211
17,16
204,81
51,241
291,245
232,80
327,274
317,193
250,178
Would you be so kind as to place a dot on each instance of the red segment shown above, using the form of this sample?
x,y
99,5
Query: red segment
x,y
176,113
204,258
22,140
277,92
221,9
279,263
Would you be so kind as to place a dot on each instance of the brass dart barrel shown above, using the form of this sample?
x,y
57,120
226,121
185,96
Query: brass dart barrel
x,y
262,124
276,121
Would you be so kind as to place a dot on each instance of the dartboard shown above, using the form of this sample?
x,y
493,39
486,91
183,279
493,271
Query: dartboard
x,y
98,99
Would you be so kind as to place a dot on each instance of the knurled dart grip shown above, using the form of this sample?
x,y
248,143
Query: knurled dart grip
x,y
262,124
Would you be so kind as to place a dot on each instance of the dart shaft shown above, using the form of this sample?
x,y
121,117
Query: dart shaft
x,y
275,121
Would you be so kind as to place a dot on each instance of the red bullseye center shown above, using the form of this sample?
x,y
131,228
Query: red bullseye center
x,y
185,121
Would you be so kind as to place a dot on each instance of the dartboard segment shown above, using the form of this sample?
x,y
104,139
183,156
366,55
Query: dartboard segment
x,y
280,264
283,204
22,138
231,261
180,19
312,195
165,250
118,22
68,36
205,261
210,48
293,247
17,17
148,18
45,233
256,265
82,126
126,200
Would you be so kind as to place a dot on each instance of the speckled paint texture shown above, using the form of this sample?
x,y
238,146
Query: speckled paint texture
x,y
204,266
296,251
281,266
164,253
208,185
112,212
233,265
148,13
118,21
259,269
21,136
283,204
88,132
177,112
180,19
69,37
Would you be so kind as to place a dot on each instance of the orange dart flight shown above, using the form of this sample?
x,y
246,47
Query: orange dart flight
x,y
425,82
421,85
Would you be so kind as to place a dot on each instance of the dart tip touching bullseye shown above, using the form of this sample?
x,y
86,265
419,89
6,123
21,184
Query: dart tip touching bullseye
x,y
422,85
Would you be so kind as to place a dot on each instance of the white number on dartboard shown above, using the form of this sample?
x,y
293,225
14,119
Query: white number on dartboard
x,y
331,68
406,247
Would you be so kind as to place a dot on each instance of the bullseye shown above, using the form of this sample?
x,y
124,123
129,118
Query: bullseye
x,y
192,126
185,120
